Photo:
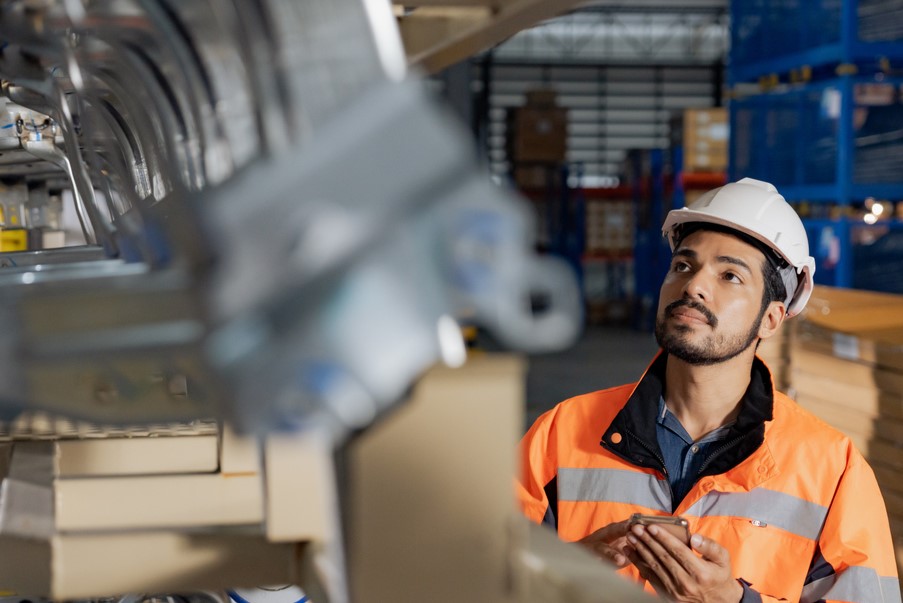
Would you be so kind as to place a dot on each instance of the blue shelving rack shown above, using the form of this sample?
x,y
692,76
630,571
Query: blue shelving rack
x,y
834,141
838,140
780,36
836,137
652,256
839,258
567,218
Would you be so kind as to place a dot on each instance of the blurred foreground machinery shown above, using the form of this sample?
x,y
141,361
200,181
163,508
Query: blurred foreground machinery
x,y
283,234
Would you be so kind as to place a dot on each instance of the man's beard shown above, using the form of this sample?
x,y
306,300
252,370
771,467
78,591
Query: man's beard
x,y
714,349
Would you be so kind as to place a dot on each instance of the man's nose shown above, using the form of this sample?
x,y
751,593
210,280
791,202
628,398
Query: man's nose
x,y
699,286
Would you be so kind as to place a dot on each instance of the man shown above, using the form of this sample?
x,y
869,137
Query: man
x,y
781,506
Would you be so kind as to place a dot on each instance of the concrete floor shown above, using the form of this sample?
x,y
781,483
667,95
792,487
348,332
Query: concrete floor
x,y
603,357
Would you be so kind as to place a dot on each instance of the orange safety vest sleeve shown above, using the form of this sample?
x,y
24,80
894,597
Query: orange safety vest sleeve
x,y
538,468
856,561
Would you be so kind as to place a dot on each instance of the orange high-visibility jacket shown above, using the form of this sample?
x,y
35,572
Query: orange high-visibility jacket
x,y
791,499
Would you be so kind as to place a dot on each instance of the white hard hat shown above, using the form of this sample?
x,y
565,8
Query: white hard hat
x,y
755,208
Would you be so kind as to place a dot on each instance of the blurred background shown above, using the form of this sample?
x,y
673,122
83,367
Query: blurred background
x,y
244,243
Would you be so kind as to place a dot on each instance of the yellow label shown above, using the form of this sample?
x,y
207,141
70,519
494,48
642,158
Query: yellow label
x,y
14,240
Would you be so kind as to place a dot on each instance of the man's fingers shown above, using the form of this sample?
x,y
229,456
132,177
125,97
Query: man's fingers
x,y
677,549
663,552
710,550
606,552
607,534
612,531
612,554
647,574
650,560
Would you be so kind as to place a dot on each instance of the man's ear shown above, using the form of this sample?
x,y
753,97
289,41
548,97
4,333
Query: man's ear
x,y
772,319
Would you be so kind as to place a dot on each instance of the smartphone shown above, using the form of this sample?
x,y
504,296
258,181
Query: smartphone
x,y
678,526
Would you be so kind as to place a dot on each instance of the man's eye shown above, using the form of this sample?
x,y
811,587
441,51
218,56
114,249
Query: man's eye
x,y
732,277
681,267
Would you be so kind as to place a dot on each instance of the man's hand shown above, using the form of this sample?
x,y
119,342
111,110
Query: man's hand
x,y
609,542
679,574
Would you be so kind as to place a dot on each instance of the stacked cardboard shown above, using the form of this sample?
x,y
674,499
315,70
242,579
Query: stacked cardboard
x,y
609,227
775,351
705,137
91,510
537,176
846,366
537,132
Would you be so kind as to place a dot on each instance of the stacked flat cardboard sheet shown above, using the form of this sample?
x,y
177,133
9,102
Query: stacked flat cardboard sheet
x,y
846,366
90,511
775,352
428,507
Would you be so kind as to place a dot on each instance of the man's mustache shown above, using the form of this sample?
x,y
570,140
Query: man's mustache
x,y
693,305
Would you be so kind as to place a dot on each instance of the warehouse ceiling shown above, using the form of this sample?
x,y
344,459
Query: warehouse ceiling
x,y
439,33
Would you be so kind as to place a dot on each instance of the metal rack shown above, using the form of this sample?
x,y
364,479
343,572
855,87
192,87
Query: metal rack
x,y
827,127
835,140
651,253
780,36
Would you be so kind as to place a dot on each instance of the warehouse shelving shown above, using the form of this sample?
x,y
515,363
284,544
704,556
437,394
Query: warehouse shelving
x,y
608,258
838,140
605,268
560,212
685,184
782,36
831,139
852,253
652,256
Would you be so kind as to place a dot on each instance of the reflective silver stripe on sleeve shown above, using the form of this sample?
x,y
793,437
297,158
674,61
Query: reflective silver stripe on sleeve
x,y
795,515
860,584
614,485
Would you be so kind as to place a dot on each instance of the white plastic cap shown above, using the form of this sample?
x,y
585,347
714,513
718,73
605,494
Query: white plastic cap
x,y
755,208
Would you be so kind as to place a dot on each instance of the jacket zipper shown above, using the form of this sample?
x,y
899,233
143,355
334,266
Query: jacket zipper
x,y
660,460
719,451
654,452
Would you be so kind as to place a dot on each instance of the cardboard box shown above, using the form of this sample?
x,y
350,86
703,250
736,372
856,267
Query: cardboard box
x,y
547,570
705,140
87,566
414,479
894,503
896,530
819,380
839,415
133,503
860,326
886,454
775,353
542,97
536,176
610,227
847,368
537,134
888,478
869,390
708,124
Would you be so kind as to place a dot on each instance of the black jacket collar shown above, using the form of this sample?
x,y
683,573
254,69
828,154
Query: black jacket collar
x,y
632,433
